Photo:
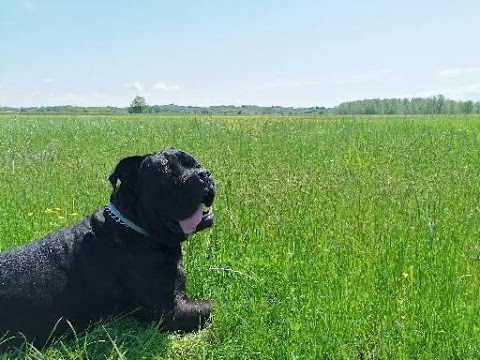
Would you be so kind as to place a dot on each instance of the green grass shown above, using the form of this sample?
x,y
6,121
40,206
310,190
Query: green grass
x,y
336,238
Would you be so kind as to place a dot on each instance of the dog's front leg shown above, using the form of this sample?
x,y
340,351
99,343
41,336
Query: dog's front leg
x,y
188,315
164,298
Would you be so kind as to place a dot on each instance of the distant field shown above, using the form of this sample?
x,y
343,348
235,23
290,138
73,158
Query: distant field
x,y
336,237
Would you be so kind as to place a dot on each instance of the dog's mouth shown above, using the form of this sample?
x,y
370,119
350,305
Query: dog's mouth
x,y
207,219
202,219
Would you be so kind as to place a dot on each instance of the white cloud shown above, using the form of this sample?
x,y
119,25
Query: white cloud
x,y
456,72
135,85
48,80
366,77
165,87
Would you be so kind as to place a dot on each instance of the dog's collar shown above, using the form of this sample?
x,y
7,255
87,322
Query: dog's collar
x,y
116,215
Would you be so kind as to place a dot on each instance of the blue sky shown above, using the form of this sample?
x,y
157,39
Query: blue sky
x,y
211,52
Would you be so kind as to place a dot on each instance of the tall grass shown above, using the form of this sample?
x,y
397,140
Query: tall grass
x,y
336,238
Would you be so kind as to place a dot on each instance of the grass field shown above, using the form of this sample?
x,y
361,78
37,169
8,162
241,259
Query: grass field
x,y
336,238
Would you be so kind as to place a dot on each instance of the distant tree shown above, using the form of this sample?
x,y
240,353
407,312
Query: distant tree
x,y
468,107
138,105
439,104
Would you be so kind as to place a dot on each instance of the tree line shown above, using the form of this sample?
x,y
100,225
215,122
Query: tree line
x,y
414,106
407,106
139,105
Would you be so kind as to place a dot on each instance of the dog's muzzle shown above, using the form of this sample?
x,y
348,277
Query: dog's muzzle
x,y
207,220
207,216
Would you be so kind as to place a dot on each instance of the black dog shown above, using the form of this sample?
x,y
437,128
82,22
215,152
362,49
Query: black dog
x,y
124,258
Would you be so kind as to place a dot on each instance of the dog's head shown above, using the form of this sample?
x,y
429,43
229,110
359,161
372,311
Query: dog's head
x,y
169,193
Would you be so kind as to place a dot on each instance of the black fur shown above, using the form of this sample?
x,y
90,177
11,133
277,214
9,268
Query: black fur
x,y
98,268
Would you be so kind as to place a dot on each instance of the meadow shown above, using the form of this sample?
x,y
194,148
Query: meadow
x,y
336,237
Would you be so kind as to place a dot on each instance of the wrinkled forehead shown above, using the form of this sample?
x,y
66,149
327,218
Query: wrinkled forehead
x,y
176,171
174,162
176,157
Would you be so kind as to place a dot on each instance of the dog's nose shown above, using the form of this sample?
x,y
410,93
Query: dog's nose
x,y
206,175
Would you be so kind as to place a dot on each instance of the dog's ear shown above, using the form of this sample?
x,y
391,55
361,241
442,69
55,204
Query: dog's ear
x,y
126,171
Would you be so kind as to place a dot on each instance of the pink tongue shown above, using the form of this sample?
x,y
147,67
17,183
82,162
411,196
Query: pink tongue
x,y
189,225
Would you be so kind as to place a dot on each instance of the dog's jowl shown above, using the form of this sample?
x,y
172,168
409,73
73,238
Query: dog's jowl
x,y
124,258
